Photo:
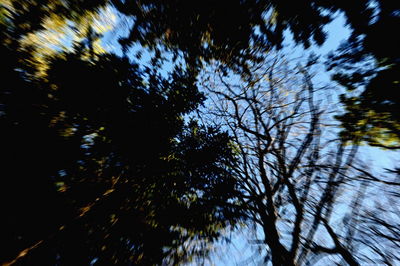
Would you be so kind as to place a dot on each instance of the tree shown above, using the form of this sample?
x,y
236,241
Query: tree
x,y
367,65
201,31
101,167
374,225
118,149
297,178
39,30
235,32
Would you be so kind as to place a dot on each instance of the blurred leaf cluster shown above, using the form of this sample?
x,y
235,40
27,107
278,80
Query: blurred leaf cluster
x,y
99,163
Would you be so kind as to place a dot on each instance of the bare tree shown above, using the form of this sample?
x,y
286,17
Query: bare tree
x,y
373,227
295,176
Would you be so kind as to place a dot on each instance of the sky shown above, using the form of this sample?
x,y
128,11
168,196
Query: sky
x,y
337,33
239,252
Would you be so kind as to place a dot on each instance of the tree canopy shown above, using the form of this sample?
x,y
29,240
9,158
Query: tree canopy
x,y
235,31
107,160
368,66
100,164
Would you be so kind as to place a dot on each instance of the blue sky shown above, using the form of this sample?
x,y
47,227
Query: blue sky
x,y
239,252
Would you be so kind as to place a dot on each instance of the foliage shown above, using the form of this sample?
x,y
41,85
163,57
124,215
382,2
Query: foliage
x,y
104,165
368,65
100,164
303,190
